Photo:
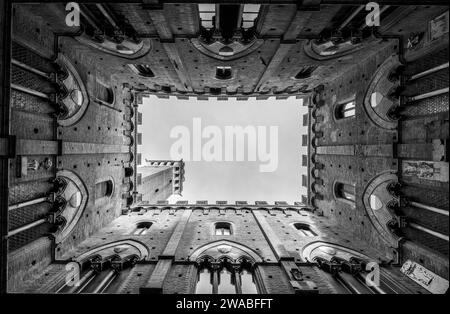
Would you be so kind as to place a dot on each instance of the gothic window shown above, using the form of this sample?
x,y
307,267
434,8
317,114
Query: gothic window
x,y
345,110
73,97
347,268
304,230
104,189
223,228
99,270
225,277
142,70
142,228
204,282
223,73
345,191
248,285
127,48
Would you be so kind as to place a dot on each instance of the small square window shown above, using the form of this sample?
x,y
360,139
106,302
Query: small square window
x,y
223,228
223,73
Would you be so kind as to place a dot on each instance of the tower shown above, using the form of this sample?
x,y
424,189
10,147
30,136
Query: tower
x,y
159,179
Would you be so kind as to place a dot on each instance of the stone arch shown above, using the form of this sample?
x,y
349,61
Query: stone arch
x,y
238,49
221,248
380,216
119,248
134,50
73,194
323,249
317,51
76,99
381,87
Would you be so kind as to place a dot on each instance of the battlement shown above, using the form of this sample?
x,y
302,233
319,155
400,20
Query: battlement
x,y
221,205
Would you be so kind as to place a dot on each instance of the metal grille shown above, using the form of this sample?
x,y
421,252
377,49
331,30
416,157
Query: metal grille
x,y
26,102
27,236
427,84
427,62
25,191
427,219
421,194
428,106
31,80
25,215
427,240
31,59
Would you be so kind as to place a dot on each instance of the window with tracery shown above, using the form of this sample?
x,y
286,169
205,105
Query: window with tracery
x,y
99,270
226,277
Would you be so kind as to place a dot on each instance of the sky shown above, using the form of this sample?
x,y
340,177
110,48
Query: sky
x,y
232,180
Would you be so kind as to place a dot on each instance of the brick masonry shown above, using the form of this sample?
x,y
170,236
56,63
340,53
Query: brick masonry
x,y
354,151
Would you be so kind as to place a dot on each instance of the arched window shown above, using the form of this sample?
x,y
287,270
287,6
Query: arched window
x,y
142,228
101,269
347,269
104,189
142,70
328,48
304,229
73,98
223,73
345,191
222,228
204,282
104,93
305,72
345,110
225,277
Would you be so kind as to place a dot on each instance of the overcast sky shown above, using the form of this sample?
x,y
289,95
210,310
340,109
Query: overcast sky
x,y
229,180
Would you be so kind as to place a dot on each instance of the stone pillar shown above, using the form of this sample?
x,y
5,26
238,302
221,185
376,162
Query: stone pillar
x,y
156,281
298,284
